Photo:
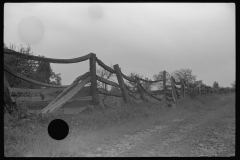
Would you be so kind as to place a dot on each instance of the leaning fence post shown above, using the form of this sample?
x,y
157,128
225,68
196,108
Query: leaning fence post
x,y
173,89
121,83
140,89
164,86
94,90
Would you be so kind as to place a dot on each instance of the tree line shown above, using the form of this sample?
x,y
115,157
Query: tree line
x,y
42,71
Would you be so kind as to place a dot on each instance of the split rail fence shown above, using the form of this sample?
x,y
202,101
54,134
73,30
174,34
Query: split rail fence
x,y
78,94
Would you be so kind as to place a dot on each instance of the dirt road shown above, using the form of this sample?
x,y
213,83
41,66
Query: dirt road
x,y
204,132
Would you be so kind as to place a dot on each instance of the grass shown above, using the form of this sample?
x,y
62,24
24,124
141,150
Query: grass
x,y
28,137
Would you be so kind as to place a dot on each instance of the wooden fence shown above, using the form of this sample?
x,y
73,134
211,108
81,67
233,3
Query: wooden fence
x,y
77,94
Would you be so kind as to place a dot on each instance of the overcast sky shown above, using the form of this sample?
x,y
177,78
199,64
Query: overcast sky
x,y
140,37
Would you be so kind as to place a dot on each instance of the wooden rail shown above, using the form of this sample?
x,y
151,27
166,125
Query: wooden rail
x,y
105,92
51,60
100,63
128,78
12,72
59,95
107,81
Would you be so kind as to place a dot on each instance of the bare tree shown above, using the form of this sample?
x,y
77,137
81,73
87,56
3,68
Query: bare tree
x,y
185,74
159,76
215,85
146,85
103,73
133,85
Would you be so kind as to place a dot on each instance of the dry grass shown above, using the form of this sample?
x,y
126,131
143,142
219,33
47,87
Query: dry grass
x,y
89,129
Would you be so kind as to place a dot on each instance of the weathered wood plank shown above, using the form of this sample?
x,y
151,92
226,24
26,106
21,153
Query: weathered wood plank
x,y
70,87
148,93
94,89
44,59
69,104
12,72
105,92
85,91
128,78
121,83
182,88
154,97
100,63
150,81
46,94
164,86
60,102
140,89
107,81
174,94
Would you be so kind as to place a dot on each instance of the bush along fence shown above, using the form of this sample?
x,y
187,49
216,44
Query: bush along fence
x,y
78,94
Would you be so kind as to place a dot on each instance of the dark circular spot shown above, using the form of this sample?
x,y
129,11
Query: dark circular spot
x,y
30,30
58,129
95,11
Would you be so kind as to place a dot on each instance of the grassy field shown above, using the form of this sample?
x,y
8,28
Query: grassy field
x,y
28,137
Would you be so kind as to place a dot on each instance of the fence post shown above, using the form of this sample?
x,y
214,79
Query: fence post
x,y
121,83
188,90
182,88
173,89
164,86
140,89
94,90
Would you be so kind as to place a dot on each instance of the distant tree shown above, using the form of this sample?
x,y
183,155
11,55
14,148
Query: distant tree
x,y
159,76
185,74
146,85
197,83
228,88
215,85
37,70
103,73
233,85
133,85
221,89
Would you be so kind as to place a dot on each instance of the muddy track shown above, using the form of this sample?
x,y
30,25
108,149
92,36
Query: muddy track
x,y
207,132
